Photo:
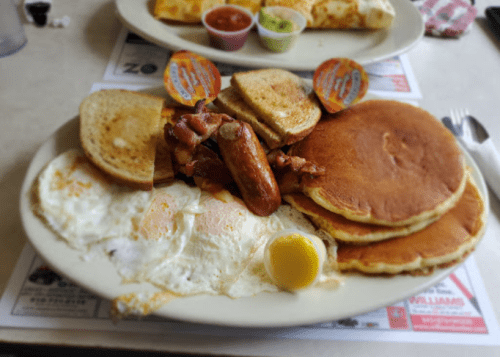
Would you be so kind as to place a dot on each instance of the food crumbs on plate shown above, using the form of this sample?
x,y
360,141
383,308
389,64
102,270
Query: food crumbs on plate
x,y
139,304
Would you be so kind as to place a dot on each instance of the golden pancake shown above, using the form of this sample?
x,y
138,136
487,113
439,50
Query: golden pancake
x,y
445,241
346,230
386,162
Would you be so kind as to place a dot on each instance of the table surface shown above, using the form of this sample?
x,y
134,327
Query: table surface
x,y
42,86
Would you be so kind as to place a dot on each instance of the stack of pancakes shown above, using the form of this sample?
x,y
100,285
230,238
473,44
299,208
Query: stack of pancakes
x,y
397,194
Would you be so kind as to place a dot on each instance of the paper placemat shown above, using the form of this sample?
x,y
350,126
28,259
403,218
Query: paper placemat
x,y
455,311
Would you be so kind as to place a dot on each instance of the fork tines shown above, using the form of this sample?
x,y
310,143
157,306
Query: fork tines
x,y
457,118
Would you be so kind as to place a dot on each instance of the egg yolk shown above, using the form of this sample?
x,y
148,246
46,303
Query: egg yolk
x,y
293,262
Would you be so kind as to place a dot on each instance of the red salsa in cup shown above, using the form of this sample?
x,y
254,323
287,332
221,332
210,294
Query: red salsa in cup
x,y
228,19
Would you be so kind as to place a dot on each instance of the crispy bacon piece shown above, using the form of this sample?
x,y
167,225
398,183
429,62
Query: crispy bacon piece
x,y
225,150
207,164
289,170
191,130
279,160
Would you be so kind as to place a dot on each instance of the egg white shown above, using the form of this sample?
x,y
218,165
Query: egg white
x,y
176,237
82,205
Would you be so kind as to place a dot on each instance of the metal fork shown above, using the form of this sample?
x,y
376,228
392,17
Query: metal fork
x,y
466,127
469,131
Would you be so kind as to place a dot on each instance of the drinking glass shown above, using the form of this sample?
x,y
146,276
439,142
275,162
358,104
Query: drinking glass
x,y
12,36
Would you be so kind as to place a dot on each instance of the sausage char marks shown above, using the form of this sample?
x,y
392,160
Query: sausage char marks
x,y
244,159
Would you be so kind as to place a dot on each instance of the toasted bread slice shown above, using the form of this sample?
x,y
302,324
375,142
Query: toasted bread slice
x,y
164,170
230,102
119,130
281,99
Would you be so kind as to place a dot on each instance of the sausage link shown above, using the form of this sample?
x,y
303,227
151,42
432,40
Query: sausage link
x,y
247,161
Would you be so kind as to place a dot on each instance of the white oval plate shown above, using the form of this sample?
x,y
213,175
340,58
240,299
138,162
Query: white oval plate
x,y
359,294
312,48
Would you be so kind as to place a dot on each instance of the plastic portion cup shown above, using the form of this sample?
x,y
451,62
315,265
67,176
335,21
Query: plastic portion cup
x,y
281,41
12,36
228,40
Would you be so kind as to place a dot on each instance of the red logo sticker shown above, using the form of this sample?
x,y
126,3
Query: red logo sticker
x,y
190,77
340,82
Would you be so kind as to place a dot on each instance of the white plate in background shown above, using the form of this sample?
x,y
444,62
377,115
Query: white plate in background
x,y
312,48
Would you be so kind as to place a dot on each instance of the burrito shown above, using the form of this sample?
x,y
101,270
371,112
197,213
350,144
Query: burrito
x,y
320,14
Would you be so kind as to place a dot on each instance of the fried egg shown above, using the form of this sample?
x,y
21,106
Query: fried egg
x,y
176,237
82,205
293,259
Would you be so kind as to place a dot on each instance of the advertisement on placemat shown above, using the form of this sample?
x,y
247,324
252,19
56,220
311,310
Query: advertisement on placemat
x,y
135,60
456,311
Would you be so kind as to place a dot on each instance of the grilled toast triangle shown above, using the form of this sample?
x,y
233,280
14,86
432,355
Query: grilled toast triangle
x,y
281,100
119,131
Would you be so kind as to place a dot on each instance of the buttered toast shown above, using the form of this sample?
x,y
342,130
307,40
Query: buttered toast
x,y
229,101
280,99
119,131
